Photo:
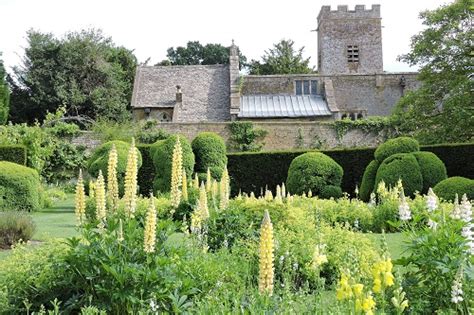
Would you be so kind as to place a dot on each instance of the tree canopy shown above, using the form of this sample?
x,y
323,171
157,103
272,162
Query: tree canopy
x,y
4,94
83,71
196,54
283,58
441,110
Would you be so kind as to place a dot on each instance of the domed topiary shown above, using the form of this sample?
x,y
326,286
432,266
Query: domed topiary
x,y
368,180
331,191
396,145
402,166
313,171
210,152
432,169
19,187
100,157
162,159
448,188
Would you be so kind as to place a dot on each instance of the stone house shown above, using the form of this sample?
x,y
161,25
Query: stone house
x,y
350,81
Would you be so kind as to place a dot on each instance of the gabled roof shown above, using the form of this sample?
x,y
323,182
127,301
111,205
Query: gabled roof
x,y
275,106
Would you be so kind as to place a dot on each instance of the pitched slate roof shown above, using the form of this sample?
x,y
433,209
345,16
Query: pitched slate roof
x,y
272,106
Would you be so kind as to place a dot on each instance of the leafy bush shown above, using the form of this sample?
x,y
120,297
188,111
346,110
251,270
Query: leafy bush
x,y
210,153
19,188
245,136
313,171
368,180
396,145
432,169
448,188
99,159
162,159
51,195
331,191
15,226
13,153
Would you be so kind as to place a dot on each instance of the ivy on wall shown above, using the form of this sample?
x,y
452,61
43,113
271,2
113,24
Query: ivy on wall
x,y
378,125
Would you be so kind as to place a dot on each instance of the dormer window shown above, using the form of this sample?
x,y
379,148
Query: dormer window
x,y
306,87
352,53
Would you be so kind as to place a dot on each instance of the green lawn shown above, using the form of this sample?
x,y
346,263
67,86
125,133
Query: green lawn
x,y
394,242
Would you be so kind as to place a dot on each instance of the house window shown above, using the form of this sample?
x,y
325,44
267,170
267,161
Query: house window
x,y
164,117
352,53
306,87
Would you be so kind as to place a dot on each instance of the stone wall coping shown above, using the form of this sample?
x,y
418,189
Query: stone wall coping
x,y
186,66
317,75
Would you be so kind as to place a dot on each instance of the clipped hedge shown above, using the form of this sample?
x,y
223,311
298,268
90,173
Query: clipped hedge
x,y
448,188
368,180
19,188
146,173
313,171
210,153
396,145
432,169
13,153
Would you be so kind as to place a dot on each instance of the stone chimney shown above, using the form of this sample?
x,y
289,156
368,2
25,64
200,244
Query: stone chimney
x,y
234,81
179,103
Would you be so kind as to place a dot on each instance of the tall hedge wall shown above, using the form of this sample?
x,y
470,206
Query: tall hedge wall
x,y
146,173
251,171
13,153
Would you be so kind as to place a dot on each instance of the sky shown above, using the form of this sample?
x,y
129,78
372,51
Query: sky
x,y
151,27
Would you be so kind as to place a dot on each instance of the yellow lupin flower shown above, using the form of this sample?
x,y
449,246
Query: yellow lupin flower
x,y
310,194
358,289
185,186
131,173
91,189
208,180
278,198
215,190
265,278
268,195
283,190
112,183
196,181
150,228
80,200
100,210
176,174
203,209
120,237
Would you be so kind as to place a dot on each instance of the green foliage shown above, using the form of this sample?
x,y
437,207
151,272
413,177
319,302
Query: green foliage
x,y
376,125
396,145
441,110
368,180
454,157
146,132
331,191
162,159
281,59
402,166
432,169
4,95
100,157
15,226
19,188
84,70
448,188
246,137
210,153
313,171
146,173
13,153
196,54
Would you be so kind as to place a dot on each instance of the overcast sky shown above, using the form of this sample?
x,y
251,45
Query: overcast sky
x,y
150,27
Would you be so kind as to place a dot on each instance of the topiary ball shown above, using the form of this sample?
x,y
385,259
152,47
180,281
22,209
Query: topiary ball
x,y
313,171
396,145
210,152
402,166
448,188
162,159
432,169
368,180
331,191
19,187
100,158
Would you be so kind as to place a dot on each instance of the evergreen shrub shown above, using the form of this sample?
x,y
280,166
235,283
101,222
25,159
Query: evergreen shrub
x,y
210,152
396,145
448,188
432,169
13,153
368,180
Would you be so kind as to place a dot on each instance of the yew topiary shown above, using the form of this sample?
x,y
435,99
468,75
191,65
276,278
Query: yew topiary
x,y
448,188
210,153
368,180
432,169
396,145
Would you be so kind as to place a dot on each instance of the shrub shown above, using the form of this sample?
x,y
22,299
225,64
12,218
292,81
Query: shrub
x,y
402,166
99,159
245,136
368,180
19,187
448,188
313,171
432,169
396,145
15,226
210,153
331,191
146,173
13,153
162,159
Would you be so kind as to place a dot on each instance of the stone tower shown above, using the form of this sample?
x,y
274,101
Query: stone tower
x,y
350,41
234,81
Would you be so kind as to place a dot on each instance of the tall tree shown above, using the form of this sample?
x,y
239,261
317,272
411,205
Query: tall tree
x,y
441,110
283,58
4,94
84,71
196,54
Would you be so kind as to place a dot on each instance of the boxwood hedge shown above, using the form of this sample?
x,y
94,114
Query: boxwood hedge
x,y
13,153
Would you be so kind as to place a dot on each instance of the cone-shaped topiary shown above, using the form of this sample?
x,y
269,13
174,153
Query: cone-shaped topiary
x,y
150,228
100,201
80,200
112,183
176,175
265,276
131,173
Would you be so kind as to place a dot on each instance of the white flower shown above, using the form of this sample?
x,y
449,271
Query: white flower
x,y
431,201
356,224
295,266
468,233
373,201
432,224
404,209
456,291
456,213
465,209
